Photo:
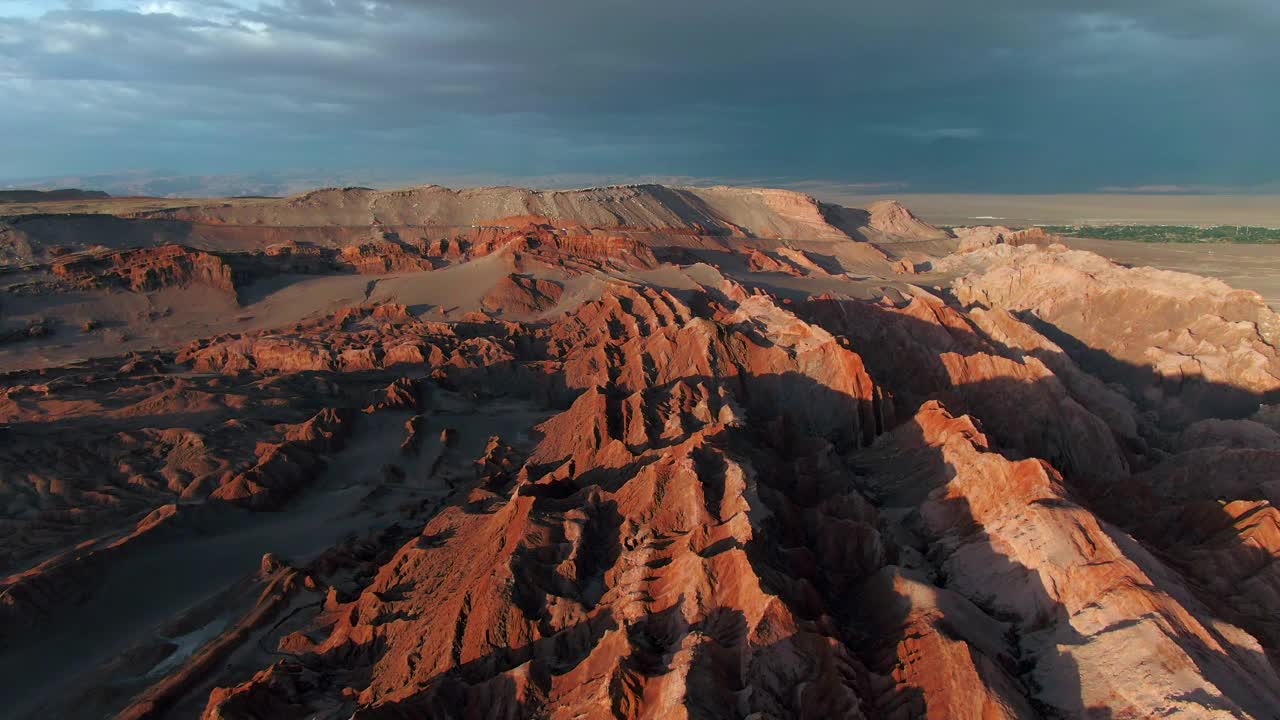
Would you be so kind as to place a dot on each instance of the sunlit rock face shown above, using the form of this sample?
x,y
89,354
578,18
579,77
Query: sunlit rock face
x,y
637,452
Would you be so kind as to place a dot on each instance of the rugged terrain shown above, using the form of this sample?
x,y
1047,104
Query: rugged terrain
x,y
640,452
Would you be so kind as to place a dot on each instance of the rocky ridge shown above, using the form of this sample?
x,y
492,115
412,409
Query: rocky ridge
x,y
652,477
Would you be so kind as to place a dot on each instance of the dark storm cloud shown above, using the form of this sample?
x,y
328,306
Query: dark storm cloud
x,y
998,94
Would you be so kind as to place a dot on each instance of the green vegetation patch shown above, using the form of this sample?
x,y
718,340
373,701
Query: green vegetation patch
x,y
1172,233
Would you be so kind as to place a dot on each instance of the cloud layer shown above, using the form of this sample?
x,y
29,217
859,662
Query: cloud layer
x,y
986,95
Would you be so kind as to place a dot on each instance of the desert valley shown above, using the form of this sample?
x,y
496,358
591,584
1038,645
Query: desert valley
x,y
627,452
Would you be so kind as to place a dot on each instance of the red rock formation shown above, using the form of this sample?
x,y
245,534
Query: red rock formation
x,y
760,261
1032,236
383,257
1198,347
1015,542
519,294
976,238
672,492
890,219
282,468
146,269
803,261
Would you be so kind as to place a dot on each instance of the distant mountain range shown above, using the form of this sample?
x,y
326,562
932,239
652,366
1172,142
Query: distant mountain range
x,y
172,184
162,183
28,196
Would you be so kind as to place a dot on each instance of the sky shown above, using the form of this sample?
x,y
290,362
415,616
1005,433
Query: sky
x,y
913,95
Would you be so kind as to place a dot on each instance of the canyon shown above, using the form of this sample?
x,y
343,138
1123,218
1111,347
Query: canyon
x,y
625,452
